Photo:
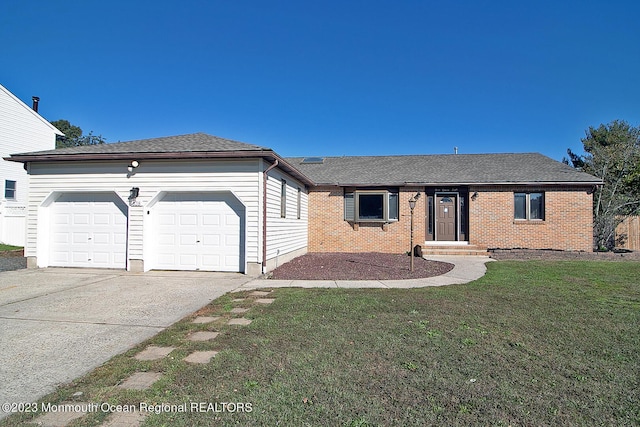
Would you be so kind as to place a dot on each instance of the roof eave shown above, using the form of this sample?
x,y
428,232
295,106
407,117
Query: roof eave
x,y
181,155
61,157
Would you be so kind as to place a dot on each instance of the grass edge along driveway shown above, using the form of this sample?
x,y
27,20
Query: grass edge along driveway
x,y
531,343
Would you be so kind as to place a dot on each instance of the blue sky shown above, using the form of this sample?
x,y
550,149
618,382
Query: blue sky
x,y
333,77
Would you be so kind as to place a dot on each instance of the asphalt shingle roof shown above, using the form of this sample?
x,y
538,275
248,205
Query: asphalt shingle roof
x,y
444,169
195,142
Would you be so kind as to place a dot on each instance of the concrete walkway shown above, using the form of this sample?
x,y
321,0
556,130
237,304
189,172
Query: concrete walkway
x,y
466,269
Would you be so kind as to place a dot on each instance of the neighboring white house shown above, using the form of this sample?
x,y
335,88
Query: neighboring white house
x,y
21,130
190,202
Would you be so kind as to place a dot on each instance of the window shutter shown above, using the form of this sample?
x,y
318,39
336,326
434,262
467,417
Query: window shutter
x,y
349,207
393,206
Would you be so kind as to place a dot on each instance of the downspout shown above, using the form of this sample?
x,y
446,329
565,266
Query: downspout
x,y
264,215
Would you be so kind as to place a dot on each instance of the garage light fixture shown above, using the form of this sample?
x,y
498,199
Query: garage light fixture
x,y
133,195
134,164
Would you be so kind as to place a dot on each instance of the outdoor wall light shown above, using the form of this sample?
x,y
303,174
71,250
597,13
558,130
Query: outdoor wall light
x,y
413,200
133,195
475,196
134,164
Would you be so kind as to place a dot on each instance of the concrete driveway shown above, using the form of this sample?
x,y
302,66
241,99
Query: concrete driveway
x,y
57,324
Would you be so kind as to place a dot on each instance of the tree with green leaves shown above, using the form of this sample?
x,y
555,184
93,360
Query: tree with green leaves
x,y
612,153
73,136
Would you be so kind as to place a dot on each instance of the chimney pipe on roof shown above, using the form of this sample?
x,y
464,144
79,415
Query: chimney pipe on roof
x,y
35,99
455,150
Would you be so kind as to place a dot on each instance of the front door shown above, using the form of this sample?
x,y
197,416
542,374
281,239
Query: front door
x,y
446,217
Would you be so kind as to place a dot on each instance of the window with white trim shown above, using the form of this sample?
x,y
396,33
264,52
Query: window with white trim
x,y
371,206
9,190
528,206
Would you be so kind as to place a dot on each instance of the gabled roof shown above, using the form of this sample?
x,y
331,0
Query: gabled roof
x,y
191,146
448,169
30,111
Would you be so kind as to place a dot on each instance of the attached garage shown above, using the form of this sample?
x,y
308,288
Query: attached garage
x,y
186,202
88,230
198,231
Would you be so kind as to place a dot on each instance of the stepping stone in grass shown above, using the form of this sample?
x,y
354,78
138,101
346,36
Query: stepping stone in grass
x,y
239,321
125,419
259,293
62,417
140,380
203,336
200,356
154,353
265,300
204,319
239,310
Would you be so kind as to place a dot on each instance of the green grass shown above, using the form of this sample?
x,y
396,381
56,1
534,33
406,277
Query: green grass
x,y
531,343
5,248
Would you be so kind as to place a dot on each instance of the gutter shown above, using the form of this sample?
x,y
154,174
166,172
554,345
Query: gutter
x,y
264,214
451,184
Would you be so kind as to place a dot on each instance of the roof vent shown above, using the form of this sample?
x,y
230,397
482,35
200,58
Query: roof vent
x,y
312,160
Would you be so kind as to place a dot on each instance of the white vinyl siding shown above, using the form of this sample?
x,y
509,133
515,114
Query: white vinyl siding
x,y
285,235
240,177
21,130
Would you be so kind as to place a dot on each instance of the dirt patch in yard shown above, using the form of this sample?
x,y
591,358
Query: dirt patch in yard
x,y
359,266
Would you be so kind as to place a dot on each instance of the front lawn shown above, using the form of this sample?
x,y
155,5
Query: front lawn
x,y
531,343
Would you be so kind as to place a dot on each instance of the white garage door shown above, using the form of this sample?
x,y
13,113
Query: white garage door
x,y
88,230
199,231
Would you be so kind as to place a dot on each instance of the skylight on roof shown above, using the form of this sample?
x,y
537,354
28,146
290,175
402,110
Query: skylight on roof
x,y
312,160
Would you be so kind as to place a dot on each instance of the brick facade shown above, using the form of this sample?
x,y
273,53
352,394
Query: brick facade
x,y
568,223
329,232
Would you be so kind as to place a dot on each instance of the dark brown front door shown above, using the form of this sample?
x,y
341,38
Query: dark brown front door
x,y
446,217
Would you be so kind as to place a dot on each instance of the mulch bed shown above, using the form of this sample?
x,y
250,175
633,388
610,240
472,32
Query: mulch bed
x,y
358,266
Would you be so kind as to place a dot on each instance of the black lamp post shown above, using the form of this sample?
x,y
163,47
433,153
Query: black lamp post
x,y
412,205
